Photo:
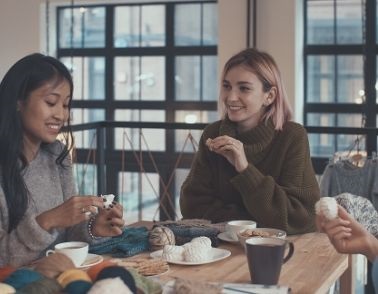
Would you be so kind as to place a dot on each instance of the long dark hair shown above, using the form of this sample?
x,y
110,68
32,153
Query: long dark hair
x,y
25,76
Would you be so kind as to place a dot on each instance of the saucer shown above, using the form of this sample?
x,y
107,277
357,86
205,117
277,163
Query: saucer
x,y
225,237
91,260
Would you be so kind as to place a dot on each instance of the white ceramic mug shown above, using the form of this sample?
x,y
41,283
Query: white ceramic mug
x,y
235,226
77,251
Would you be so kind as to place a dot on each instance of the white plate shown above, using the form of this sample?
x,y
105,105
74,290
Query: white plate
x,y
217,254
225,237
91,260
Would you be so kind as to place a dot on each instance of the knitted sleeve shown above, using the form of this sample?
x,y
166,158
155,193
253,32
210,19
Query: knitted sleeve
x,y
198,198
287,200
78,232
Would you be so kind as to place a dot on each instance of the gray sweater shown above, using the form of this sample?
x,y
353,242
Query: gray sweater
x,y
49,185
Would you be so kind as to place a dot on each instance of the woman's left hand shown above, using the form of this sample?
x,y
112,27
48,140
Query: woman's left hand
x,y
109,221
231,149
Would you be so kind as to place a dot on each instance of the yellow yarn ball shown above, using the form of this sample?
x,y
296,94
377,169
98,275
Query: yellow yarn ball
x,y
71,275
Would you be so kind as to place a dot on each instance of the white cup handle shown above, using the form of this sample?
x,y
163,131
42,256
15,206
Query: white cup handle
x,y
48,252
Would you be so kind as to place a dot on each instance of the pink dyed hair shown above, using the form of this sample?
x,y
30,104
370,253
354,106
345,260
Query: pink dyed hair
x,y
265,68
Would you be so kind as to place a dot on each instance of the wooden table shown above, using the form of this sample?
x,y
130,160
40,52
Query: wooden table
x,y
313,268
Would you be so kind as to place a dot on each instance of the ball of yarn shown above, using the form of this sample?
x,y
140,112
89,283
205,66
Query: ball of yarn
x,y
22,277
327,206
110,286
72,275
7,289
78,287
43,286
160,236
53,265
94,270
118,271
5,272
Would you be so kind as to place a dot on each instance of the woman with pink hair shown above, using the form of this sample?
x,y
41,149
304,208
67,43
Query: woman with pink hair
x,y
254,163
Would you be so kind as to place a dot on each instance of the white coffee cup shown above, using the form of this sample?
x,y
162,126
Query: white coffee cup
x,y
77,251
235,226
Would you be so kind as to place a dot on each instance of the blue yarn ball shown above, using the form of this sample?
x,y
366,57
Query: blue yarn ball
x,y
22,277
118,271
78,287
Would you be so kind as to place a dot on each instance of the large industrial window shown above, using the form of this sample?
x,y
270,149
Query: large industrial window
x,y
340,57
151,62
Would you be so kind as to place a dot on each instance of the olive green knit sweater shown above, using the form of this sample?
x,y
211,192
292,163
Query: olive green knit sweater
x,y
278,189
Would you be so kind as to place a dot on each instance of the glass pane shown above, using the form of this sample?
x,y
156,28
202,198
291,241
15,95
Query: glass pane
x,y
350,84
129,139
138,195
86,178
210,24
321,71
209,74
349,22
180,176
187,24
88,76
87,25
153,25
320,22
86,139
126,26
321,78
187,78
139,78
136,26
331,120
182,141
325,145
321,119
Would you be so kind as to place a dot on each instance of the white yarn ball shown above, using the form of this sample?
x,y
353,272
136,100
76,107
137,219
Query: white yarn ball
x,y
204,241
327,206
173,253
196,252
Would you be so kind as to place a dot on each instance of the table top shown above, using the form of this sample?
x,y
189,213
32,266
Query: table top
x,y
313,268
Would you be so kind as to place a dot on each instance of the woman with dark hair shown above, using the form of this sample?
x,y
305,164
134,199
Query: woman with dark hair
x,y
37,206
254,163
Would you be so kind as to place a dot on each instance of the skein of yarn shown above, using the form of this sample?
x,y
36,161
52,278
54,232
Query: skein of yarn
x,y
72,275
43,286
78,287
160,236
110,286
94,270
7,289
6,271
121,272
22,277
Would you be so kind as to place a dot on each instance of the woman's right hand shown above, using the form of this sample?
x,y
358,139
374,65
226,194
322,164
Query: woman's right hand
x,y
349,236
69,213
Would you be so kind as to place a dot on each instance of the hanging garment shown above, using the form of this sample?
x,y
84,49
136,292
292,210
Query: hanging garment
x,y
343,176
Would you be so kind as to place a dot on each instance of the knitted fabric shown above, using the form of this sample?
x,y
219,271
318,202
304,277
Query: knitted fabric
x,y
48,185
343,176
186,230
278,189
361,209
131,242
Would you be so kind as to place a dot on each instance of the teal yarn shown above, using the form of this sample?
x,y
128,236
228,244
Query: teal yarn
x,y
78,287
21,277
43,286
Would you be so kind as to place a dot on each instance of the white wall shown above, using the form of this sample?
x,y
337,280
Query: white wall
x,y
19,30
22,32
